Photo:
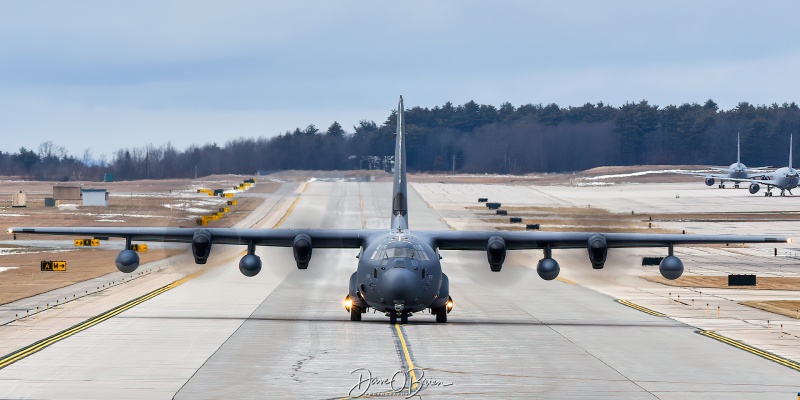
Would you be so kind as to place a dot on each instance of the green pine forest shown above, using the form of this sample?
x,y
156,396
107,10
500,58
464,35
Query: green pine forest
x,y
479,138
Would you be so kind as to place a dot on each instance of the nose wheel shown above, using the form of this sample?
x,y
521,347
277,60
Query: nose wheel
x,y
394,314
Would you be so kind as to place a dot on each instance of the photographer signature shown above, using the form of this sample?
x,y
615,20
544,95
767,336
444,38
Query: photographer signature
x,y
401,383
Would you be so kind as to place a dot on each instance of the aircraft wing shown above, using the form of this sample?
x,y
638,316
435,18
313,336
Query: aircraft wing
x,y
478,240
703,174
321,238
765,182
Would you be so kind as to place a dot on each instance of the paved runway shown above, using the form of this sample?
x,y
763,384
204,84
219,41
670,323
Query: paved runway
x,y
285,334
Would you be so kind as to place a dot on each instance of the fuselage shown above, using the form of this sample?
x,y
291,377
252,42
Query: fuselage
x,y
398,272
786,178
737,171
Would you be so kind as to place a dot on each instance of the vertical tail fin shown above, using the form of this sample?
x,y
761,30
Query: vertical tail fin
x,y
399,191
738,151
790,151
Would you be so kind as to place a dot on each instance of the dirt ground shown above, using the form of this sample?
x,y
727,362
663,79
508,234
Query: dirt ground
x,y
27,279
762,282
569,219
173,203
789,308
602,175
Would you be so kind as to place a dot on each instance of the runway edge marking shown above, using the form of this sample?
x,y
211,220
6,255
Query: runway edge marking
x,y
750,349
42,344
77,328
640,308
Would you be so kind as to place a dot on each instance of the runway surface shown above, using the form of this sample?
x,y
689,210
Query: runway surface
x,y
285,333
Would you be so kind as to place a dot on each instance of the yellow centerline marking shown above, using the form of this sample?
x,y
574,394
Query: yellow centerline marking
x,y
411,367
761,353
640,308
55,338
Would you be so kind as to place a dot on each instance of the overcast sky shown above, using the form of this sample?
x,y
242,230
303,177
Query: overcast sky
x,y
105,75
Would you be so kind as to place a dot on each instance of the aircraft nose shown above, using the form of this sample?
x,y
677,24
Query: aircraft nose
x,y
398,284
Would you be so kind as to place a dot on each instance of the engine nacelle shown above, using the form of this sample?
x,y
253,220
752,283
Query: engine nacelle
x,y
548,269
201,246
496,253
250,265
754,187
671,267
598,250
127,261
301,247
709,181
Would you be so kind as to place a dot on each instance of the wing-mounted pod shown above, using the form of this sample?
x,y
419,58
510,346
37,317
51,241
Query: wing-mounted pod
x,y
753,188
127,260
548,268
250,264
496,253
671,267
201,246
709,181
301,247
598,250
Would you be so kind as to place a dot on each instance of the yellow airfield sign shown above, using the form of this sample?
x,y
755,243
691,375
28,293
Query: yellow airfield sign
x,y
87,242
54,265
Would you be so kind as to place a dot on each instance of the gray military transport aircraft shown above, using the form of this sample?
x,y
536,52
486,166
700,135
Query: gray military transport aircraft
x,y
784,178
399,271
734,173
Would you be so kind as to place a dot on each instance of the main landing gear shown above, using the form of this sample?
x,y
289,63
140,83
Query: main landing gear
x,y
441,314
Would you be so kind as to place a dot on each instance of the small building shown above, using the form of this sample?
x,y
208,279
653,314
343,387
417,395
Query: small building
x,y
19,199
94,197
67,192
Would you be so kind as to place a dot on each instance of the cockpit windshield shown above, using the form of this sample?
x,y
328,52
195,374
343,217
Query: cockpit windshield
x,y
395,252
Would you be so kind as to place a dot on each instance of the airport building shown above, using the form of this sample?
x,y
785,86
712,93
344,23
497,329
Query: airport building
x,y
94,197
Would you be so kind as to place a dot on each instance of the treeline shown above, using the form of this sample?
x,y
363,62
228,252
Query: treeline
x,y
470,137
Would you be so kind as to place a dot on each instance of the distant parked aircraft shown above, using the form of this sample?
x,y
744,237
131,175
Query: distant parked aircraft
x,y
785,178
735,172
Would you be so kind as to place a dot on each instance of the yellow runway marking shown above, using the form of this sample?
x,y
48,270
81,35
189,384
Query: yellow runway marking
x,y
761,353
291,208
640,308
50,340
46,342
565,280
411,367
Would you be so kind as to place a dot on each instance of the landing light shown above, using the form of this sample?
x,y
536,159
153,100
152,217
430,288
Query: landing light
x,y
789,240
449,305
9,230
348,302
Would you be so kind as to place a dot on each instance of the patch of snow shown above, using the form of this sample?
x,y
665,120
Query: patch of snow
x,y
632,174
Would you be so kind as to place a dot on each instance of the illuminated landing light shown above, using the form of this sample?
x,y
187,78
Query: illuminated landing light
x,y
10,231
348,303
449,304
